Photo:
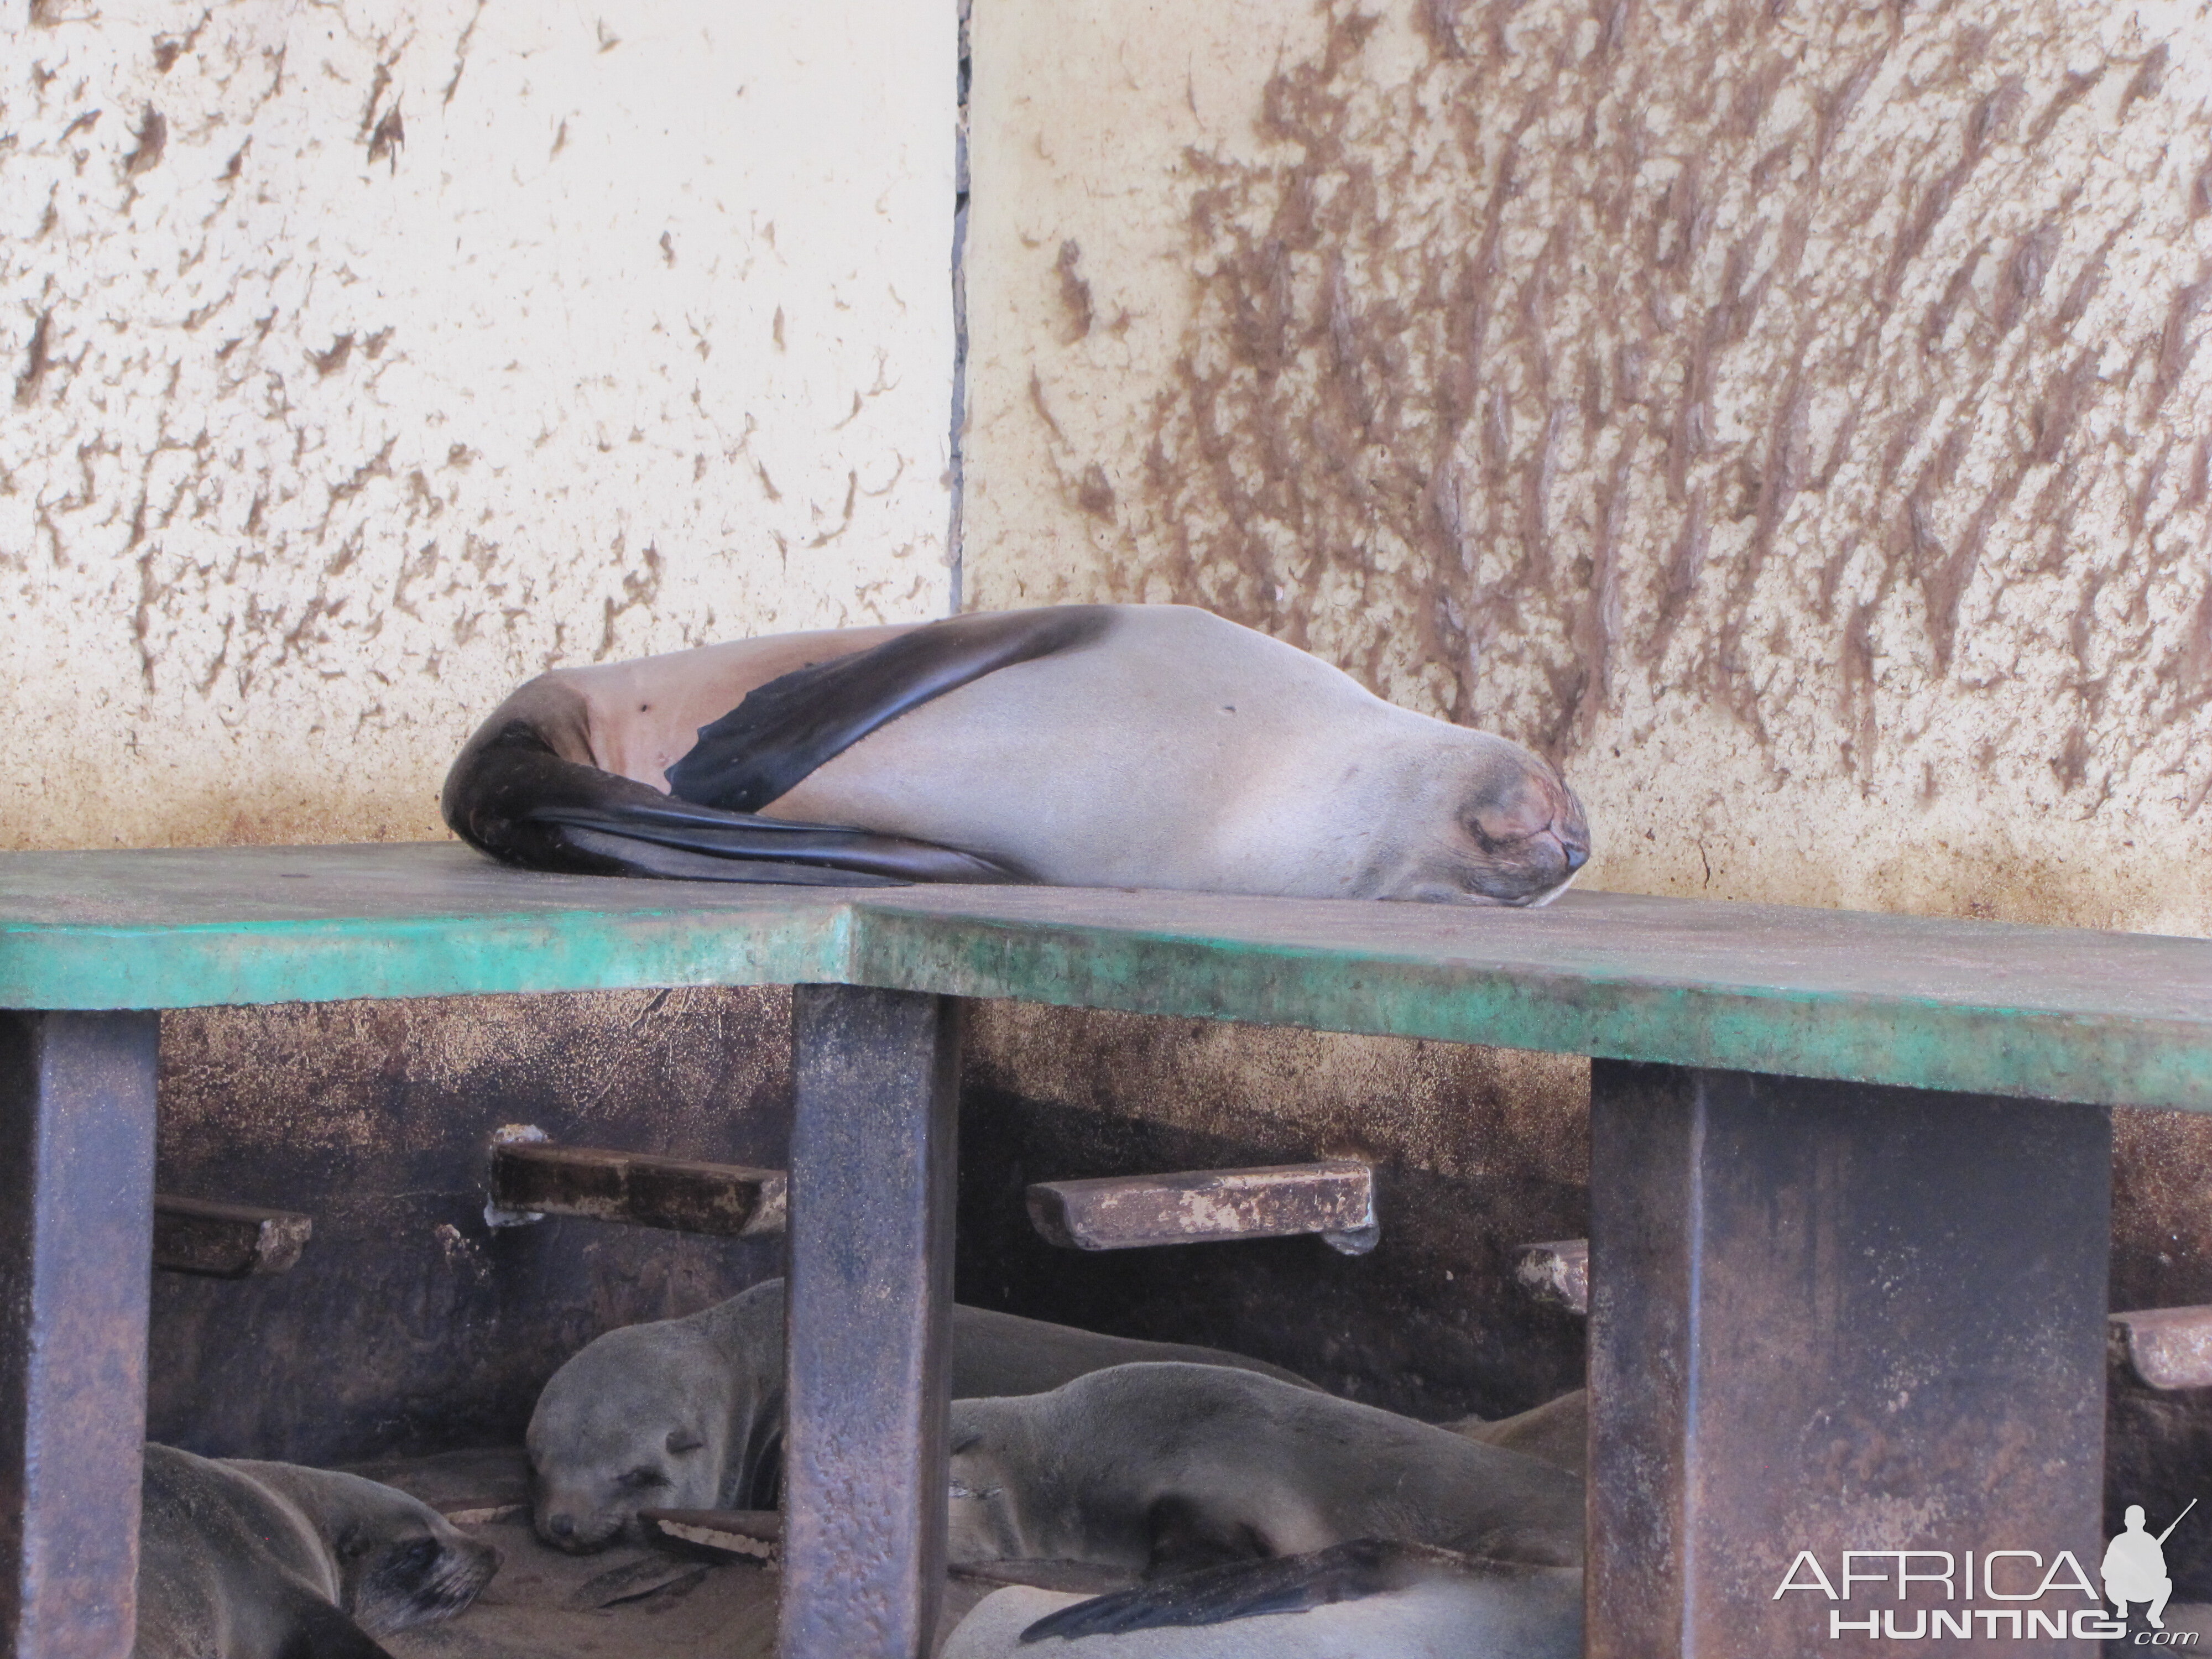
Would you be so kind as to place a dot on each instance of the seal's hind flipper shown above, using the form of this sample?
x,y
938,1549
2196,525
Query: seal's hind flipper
x,y
510,794
784,729
1246,1589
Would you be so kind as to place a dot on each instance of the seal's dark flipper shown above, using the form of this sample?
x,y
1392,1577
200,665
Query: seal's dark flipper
x,y
319,1631
1246,1589
782,731
511,796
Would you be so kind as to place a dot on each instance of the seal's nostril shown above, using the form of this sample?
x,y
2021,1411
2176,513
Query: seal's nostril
x,y
1577,856
561,1526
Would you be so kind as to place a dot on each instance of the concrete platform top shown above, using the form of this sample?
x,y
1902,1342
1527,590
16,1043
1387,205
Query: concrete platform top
x,y
2050,1013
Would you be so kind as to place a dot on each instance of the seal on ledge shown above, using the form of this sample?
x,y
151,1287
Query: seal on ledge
x,y
1083,746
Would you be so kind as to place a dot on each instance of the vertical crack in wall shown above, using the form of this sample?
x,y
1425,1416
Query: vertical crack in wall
x,y
956,450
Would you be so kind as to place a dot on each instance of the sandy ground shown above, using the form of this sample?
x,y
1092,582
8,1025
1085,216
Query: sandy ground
x,y
622,1603
631,1602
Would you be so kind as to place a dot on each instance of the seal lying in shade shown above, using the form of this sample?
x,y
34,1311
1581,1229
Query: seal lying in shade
x,y
1087,745
1364,1600
1169,1468
688,1413
251,1560
1558,1431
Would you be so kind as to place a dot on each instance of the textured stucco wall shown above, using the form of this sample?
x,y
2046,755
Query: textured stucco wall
x,y
359,359
1788,415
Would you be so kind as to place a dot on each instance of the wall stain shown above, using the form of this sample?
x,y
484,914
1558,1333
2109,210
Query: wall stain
x,y
149,138
1074,292
383,143
35,360
1567,371
238,380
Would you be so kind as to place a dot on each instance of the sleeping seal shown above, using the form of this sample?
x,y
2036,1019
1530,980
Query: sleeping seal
x,y
1558,1431
1085,745
251,1560
688,1413
1364,1600
1166,1468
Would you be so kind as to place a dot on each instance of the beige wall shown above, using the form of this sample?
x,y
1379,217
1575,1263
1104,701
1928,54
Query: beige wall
x,y
1790,416
358,360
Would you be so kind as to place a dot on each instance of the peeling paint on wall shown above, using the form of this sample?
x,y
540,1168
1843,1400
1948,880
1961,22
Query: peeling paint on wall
x,y
1789,416
359,360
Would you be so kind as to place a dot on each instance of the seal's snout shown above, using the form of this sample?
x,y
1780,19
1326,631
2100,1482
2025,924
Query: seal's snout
x,y
577,1528
1570,851
559,1528
1530,837
1572,831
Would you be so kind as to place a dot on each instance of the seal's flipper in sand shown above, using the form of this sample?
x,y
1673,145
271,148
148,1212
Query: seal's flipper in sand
x,y
784,729
513,795
1245,1589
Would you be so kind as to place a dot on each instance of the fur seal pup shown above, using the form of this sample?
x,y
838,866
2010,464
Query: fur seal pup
x,y
1558,1431
688,1413
239,1559
1085,745
1364,1600
1166,1468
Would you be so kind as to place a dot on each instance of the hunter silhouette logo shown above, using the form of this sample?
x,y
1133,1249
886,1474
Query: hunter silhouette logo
x,y
2135,1567
1895,1596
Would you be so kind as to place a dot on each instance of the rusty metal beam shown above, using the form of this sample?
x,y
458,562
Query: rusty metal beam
x,y
2162,1347
875,1113
1197,1206
2167,1347
1557,1273
226,1241
77,1189
1817,1308
724,1200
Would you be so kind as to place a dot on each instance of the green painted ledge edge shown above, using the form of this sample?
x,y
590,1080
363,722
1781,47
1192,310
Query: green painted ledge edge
x,y
223,963
1881,1039
1905,1042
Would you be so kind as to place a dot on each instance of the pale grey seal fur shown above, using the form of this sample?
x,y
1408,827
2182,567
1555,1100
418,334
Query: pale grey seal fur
x,y
1385,1602
1169,1466
1086,745
238,1559
688,1413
